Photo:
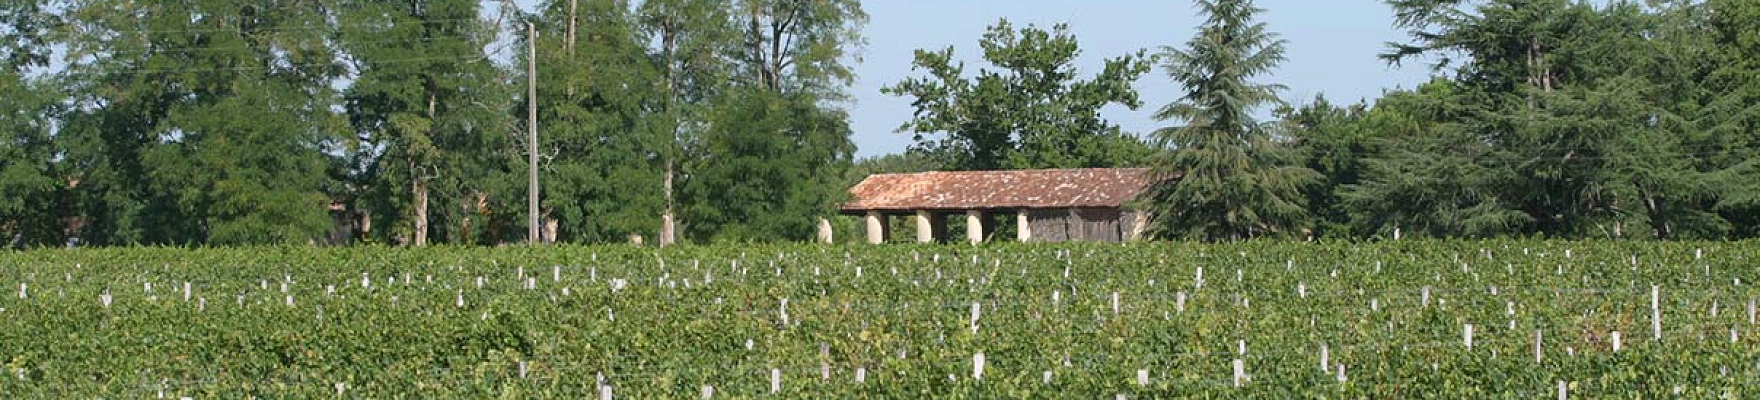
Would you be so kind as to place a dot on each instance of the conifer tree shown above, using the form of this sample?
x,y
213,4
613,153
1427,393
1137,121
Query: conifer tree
x,y
1223,175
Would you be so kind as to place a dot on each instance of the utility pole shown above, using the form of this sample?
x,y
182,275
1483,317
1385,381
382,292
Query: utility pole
x,y
532,134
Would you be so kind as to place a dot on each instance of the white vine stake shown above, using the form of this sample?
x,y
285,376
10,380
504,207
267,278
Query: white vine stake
x,y
976,310
1115,303
1325,357
861,374
1563,389
708,392
783,310
1616,341
1426,297
1179,301
1656,311
1537,340
1467,334
775,381
1240,372
186,291
978,366
1142,377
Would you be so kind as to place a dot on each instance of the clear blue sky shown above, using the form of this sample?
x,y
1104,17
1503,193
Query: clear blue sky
x,y
1332,49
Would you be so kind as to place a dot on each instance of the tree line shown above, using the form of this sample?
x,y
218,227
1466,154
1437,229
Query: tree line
x,y
217,122
197,122
1547,118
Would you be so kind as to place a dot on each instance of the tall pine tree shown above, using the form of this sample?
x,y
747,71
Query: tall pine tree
x,y
1222,174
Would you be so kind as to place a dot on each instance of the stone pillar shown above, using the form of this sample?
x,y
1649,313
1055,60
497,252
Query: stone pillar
x,y
1023,226
1139,223
876,224
925,227
825,234
975,226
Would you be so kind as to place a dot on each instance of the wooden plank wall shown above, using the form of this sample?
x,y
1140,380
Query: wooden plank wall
x,y
1091,224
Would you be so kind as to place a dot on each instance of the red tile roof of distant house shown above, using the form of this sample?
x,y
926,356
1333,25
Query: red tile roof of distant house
x,y
984,190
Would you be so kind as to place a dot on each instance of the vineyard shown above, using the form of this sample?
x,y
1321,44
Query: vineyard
x,y
1450,319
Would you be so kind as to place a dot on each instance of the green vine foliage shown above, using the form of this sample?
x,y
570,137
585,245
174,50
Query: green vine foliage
x,y
547,323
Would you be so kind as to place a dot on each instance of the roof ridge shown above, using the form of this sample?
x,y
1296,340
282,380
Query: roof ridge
x,y
999,171
1020,188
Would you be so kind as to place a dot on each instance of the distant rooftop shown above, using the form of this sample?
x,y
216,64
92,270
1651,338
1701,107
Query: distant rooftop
x,y
985,190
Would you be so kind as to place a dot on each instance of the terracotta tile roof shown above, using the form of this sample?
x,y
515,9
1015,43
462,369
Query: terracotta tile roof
x,y
966,190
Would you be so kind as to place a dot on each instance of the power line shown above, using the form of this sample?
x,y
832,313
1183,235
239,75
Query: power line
x,y
292,66
320,27
481,57
338,45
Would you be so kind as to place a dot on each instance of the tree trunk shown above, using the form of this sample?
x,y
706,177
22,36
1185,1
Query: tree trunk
x,y
760,63
668,227
474,206
464,229
669,48
419,187
419,190
573,21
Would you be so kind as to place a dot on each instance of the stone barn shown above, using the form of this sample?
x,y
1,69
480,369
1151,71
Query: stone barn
x,y
1050,205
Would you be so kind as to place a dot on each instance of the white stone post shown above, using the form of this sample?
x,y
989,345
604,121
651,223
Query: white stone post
x,y
975,226
825,234
925,227
1139,224
876,224
1023,226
